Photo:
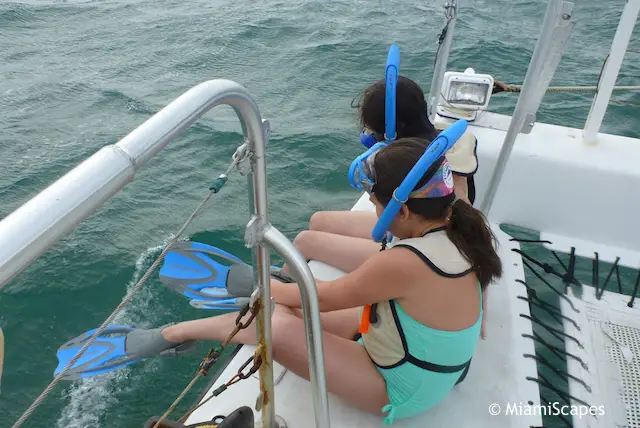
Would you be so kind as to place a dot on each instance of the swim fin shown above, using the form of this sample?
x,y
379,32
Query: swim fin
x,y
190,269
118,346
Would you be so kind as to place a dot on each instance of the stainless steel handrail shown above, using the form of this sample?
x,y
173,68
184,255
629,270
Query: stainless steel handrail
x,y
38,224
611,70
555,32
442,58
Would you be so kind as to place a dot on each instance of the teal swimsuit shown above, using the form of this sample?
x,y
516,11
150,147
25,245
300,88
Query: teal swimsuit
x,y
419,364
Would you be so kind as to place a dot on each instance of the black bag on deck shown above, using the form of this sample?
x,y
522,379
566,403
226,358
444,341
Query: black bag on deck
x,y
239,418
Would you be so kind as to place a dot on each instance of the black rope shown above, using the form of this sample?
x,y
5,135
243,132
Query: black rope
x,y
560,415
545,266
606,281
441,37
547,305
530,241
531,292
552,330
558,259
544,382
557,317
558,352
635,291
553,333
567,397
566,277
571,279
560,294
560,394
557,371
596,273
618,279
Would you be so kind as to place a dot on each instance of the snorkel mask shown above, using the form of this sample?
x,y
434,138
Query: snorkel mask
x,y
368,137
362,176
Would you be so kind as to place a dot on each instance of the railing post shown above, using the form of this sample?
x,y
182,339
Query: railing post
x,y
611,70
556,29
311,314
257,183
260,235
442,58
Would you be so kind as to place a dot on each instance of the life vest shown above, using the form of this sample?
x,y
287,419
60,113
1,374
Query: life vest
x,y
380,328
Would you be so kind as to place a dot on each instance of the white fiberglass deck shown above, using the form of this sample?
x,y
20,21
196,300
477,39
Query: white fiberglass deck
x,y
497,373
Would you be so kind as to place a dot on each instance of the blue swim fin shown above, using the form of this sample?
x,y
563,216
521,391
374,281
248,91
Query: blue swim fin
x,y
118,346
190,269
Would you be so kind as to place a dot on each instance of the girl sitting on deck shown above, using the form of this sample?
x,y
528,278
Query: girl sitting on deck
x,y
417,304
343,238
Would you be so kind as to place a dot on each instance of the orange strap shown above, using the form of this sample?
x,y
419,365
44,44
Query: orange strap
x,y
365,321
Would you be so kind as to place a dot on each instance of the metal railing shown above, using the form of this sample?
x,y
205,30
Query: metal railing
x,y
38,224
442,58
554,35
610,71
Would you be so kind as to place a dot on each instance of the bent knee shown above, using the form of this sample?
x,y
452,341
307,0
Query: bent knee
x,y
304,242
285,329
320,220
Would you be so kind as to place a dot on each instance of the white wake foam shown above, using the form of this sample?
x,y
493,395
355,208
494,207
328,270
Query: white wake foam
x,y
92,398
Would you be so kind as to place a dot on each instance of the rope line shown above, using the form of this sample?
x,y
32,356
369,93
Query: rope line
x,y
518,88
212,357
236,159
557,351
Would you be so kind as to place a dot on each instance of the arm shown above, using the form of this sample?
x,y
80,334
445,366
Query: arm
x,y
384,276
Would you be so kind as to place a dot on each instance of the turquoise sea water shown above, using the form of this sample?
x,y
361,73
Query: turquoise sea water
x,y
77,75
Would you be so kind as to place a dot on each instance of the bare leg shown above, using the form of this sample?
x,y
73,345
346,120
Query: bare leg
x,y
349,371
344,252
358,224
343,323
323,241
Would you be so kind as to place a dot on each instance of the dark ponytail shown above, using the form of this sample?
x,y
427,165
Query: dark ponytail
x,y
469,231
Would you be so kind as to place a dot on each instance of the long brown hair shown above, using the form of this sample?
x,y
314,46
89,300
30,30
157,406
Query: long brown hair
x,y
411,109
467,227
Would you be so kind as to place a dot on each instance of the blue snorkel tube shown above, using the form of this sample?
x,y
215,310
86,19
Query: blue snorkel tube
x,y
391,82
438,147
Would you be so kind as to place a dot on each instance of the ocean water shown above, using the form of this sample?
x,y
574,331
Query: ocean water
x,y
77,75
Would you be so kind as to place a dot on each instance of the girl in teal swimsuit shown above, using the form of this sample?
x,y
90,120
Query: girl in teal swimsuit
x,y
417,304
